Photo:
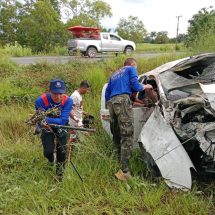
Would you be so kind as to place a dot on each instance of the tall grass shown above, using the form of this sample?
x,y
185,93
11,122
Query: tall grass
x,y
170,47
17,50
7,66
58,50
28,187
206,43
10,93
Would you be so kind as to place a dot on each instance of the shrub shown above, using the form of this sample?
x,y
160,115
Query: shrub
x,y
7,67
17,50
206,43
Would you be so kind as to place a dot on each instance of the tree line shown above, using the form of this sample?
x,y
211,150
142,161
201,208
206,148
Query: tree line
x,y
38,23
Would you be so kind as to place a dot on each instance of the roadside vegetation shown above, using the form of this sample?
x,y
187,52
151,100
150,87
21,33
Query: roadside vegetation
x,y
28,187
169,47
19,51
201,31
37,27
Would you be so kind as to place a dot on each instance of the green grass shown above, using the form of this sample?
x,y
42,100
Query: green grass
x,y
206,43
28,187
170,47
19,51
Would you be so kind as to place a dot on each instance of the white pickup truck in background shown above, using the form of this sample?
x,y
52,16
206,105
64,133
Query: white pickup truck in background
x,y
102,42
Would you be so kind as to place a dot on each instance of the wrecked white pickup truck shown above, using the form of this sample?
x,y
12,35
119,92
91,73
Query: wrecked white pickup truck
x,y
177,136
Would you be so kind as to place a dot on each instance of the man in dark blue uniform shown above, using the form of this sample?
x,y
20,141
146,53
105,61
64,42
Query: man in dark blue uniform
x,y
119,89
55,98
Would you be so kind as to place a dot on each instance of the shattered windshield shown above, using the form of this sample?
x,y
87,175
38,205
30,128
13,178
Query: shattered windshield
x,y
183,81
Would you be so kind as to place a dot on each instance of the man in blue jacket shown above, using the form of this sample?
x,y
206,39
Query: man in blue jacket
x,y
119,89
55,98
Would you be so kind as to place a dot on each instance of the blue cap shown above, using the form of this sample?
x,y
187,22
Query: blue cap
x,y
57,86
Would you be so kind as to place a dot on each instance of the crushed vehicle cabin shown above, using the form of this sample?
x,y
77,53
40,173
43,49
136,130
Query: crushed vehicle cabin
x,y
177,135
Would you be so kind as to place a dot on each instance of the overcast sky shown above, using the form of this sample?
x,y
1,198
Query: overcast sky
x,y
157,15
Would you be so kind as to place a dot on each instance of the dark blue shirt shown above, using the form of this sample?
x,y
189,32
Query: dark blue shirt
x,y
65,110
123,81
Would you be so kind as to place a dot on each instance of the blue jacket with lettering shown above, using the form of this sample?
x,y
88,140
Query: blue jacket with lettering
x,y
45,102
123,81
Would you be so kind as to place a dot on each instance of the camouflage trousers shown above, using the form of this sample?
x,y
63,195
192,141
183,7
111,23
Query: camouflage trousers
x,y
122,128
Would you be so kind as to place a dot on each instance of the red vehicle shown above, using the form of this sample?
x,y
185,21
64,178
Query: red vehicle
x,y
85,32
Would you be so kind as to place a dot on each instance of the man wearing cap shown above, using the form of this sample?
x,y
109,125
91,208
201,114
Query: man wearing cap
x,y
117,95
55,98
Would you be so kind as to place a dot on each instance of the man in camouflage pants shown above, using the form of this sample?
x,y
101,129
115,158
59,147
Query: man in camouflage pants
x,y
117,95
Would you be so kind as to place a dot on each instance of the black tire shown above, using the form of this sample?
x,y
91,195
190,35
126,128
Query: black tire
x,y
128,50
91,52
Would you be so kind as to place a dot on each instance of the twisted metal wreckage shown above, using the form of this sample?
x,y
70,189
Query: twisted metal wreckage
x,y
177,135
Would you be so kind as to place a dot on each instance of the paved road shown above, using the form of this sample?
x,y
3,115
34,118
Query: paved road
x,y
66,59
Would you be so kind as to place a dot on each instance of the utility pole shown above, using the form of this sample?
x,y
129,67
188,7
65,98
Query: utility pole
x,y
176,39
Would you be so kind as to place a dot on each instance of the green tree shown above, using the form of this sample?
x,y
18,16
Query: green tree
x,y
153,34
56,5
10,16
29,4
161,37
131,29
182,37
201,29
41,29
147,39
86,12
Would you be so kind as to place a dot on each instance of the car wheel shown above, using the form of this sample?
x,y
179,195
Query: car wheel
x,y
91,52
128,50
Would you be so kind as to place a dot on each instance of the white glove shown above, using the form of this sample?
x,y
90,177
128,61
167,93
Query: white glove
x,y
80,124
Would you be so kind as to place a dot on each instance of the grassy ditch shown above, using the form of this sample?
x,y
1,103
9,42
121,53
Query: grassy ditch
x,y
28,187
